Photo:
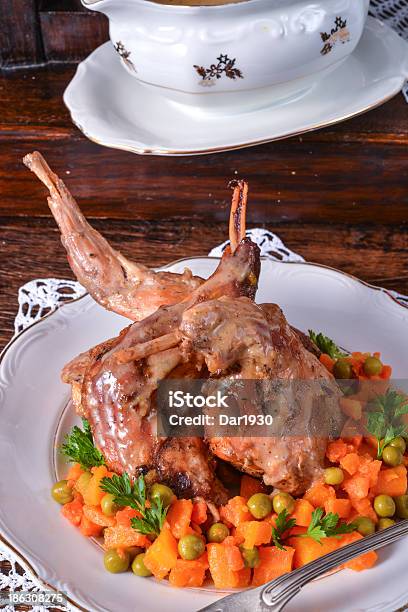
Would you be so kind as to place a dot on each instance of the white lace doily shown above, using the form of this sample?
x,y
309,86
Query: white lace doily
x,y
395,14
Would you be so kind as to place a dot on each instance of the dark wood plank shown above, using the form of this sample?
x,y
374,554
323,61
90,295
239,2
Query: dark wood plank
x,y
289,180
32,249
20,40
71,36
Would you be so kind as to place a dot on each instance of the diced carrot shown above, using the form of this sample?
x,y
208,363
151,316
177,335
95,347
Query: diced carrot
x,y
360,563
350,463
351,408
199,513
319,493
221,573
179,517
74,471
327,361
161,557
250,486
368,450
364,507
96,516
124,537
271,519
392,481
303,512
370,468
386,372
189,573
234,557
307,549
93,493
73,510
243,577
273,563
296,531
357,487
236,511
124,517
234,539
336,450
88,528
255,533
342,507
372,441
355,440
196,528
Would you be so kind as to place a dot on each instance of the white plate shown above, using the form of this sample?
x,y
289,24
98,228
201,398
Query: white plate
x,y
32,400
112,108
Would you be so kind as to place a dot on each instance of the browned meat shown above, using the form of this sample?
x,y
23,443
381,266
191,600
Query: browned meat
x,y
256,342
118,392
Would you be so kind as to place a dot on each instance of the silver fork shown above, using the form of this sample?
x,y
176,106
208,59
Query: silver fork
x,y
274,595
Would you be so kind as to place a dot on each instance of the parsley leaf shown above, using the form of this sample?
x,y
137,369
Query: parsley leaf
x,y
283,523
383,422
131,494
326,345
326,526
79,447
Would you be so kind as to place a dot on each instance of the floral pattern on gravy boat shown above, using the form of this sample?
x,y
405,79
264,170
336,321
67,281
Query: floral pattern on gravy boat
x,y
263,47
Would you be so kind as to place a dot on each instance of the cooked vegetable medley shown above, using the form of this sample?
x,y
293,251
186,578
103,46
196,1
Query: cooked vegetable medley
x,y
259,534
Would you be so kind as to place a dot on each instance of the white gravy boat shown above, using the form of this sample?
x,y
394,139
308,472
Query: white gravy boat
x,y
239,55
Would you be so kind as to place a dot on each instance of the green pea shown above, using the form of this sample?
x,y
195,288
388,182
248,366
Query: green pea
x,y
217,533
138,566
191,547
384,506
115,563
392,456
283,501
250,556
62,493
82,483
161,491
399,443
109,508
384,523
401,504
259,505
372,366
364,525
333,476
342,369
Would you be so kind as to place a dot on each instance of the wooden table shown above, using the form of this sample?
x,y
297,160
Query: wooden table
x,y
337,196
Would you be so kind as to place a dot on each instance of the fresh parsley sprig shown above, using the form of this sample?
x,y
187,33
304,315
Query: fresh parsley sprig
x,y
79,447
326,345
326,526
133,494
383,422
282,524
